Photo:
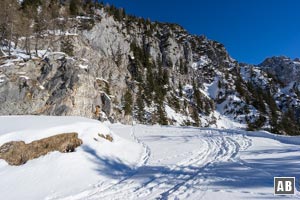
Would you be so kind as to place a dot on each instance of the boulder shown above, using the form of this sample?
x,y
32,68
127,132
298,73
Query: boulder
x,y
18,152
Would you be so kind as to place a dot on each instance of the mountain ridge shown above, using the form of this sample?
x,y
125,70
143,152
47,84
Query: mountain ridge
x,y
122,68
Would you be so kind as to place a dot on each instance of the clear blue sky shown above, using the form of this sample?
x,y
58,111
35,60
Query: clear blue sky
x,y
251,30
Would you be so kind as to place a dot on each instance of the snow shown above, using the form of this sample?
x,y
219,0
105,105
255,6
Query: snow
x,y
18,53
148,162
84,60
188,87
225,122
19,56
83,17
178,118
20,73
211,89
7,64
83,66
2,78
71,34
24,77
188,90
286,90
296,62
56,175
203,61
255,74
102,79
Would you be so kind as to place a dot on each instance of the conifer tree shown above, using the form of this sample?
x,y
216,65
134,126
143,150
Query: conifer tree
x,y
197,94
162,119
180,89
149,85
74,7
165,77
195,117
140,106
128,102
67,46
8,21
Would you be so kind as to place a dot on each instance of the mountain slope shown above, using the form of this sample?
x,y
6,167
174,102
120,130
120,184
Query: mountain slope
x,y
122,68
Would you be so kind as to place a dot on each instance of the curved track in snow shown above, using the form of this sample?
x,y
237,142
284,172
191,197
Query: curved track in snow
x,y
148,162
188,163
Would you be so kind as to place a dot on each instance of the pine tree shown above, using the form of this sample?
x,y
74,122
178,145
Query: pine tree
x,y
8,21
128,103
272,107
181,70
159,86
195,117
67,46
165,77
29,3
54,13
239,87
197,94
41,22
135,65
149,85
88,6
185,69
180,89
107,88
140,106
162,119
74,7
289,123
257,124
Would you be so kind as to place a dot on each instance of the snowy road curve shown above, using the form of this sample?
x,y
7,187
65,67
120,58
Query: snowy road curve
x,y
189,163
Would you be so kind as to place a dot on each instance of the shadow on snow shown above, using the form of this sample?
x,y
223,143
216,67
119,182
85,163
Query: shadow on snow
x,y
236,174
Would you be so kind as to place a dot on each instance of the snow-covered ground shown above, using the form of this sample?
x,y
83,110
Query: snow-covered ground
x,y
148,162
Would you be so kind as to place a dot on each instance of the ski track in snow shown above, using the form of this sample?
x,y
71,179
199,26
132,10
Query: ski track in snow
x,y
147,152
178,172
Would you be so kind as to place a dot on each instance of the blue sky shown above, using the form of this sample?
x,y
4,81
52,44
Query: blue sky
x,y
251,30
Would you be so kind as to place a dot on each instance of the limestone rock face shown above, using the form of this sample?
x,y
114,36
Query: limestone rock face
x,y
173,77
18,153
52,86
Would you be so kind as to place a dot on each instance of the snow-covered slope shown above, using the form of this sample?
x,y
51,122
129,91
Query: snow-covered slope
x,y
148,162
57,175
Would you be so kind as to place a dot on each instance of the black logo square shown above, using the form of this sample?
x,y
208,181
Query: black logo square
x,y
284,185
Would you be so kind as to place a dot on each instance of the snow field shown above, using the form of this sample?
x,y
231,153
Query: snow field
x,y
148,162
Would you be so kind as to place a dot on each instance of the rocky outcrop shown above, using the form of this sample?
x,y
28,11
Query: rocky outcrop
x,y
283,68
18,153
133,69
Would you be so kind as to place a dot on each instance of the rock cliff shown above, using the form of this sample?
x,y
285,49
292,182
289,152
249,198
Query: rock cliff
x,y
125,69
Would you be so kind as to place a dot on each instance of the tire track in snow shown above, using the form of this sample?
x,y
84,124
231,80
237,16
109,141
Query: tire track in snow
x,y
203,160
176,180
228,151
148,189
